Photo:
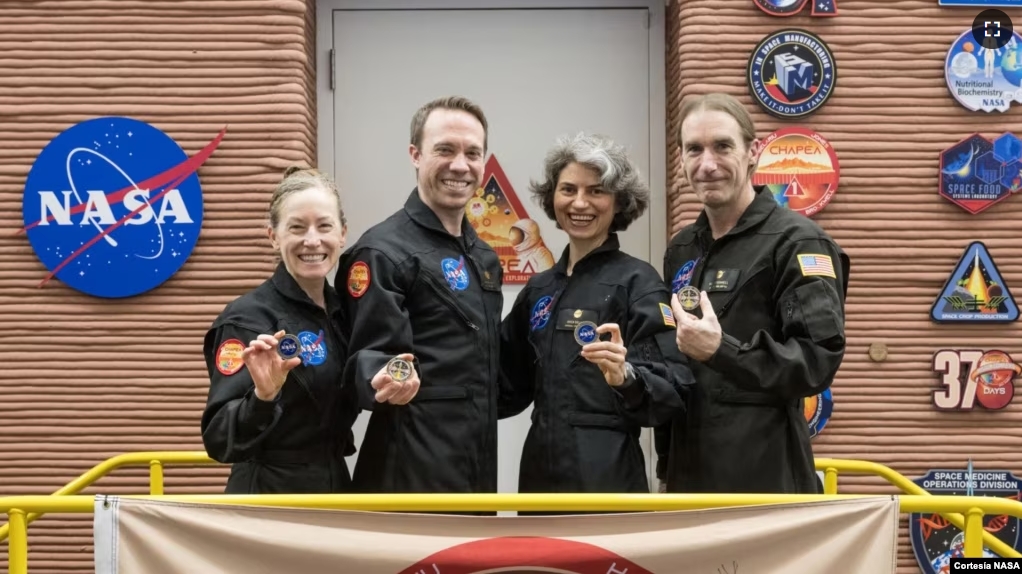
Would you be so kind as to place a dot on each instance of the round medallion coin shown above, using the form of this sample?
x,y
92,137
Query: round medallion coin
x,y
689,298
288,347
399,369
585,332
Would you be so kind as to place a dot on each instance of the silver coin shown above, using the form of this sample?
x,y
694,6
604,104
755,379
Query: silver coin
x,y
399,369
288,347
585,333
689,298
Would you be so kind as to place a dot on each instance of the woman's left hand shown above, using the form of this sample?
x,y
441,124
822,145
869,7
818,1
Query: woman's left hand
x,y
609,356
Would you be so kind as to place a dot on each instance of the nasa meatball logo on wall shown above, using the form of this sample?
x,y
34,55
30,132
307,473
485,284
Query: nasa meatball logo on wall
x,y
113,206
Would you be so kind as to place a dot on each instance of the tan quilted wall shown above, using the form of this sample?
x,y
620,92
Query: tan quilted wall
x,y
888,119
84,378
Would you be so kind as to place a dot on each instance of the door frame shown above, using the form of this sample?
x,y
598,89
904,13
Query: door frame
x,y
657,175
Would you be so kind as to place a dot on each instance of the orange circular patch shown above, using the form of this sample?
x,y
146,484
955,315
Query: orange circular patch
x,y
228,357
358,279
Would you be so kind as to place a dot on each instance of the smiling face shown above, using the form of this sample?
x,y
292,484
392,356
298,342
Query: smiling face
x,y
309,235
450,159
717,163
582,208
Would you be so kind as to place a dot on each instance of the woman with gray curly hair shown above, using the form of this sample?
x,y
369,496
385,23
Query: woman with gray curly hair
x,y
591,341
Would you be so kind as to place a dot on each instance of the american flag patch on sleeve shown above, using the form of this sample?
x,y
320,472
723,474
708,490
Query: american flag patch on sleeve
x,y
816,264
668,315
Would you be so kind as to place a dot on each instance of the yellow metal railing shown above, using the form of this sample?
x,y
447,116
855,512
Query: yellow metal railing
x,y
155,460
31,507
973,506
831,467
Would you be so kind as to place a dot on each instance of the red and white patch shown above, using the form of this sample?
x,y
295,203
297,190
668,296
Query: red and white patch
x,y
228,357
358,279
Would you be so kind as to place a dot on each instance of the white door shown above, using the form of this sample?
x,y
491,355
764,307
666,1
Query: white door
x,y
537,74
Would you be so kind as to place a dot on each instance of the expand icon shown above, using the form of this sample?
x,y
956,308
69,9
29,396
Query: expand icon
x,y
113,206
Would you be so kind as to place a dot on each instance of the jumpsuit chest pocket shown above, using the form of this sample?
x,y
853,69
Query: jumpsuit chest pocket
x,y
725,286
442,292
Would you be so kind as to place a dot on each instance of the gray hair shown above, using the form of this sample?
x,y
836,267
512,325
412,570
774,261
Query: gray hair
x,y
618,175
296,179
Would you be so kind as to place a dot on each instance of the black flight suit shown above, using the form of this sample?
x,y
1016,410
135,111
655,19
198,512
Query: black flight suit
x,y
585,433
297,442
425,292
781,309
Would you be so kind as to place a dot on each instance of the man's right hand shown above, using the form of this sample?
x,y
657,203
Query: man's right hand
x,y
267,369
396,392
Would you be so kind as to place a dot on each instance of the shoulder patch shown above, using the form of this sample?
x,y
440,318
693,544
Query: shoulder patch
x,y
358,279
668,315
816,264
228,357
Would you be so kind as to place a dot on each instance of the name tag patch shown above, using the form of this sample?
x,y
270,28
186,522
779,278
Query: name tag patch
x,y
568,319
721,280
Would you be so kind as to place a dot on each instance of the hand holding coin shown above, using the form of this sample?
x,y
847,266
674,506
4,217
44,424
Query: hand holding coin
x,y
609,356
697,337
397,382
269,358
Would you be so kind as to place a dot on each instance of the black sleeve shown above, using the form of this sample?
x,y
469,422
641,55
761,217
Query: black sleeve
x,y
662,444
662,371
810,309
235,422
662,433
378,323
517,361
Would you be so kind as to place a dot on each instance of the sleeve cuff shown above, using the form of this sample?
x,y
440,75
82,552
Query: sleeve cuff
x,y
726,355
632,390
261,412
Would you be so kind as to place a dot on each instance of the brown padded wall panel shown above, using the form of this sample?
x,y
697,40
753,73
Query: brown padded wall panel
x,y
888,119
84,378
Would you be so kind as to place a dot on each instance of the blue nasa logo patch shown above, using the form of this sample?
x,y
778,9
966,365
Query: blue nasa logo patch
x,y
455,273
313,348
791,73
113,206
684,275
541,313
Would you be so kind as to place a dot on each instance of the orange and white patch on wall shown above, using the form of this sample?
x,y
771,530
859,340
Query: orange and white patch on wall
x,y
799,167
500,219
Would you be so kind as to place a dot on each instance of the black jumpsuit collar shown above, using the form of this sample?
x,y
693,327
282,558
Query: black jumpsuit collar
x,y
288,287
610,244
762,204
425,217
